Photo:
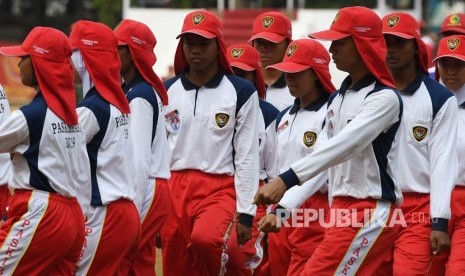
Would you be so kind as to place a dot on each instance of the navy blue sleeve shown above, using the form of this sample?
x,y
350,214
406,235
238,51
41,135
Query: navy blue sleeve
x,y
269,111
170,82
244,90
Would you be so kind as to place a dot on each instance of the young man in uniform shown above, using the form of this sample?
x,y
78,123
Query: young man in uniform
x,y
147,97
44,232
427,161
361,122
212,121
299,126
450,63
271,34
245,62
113,223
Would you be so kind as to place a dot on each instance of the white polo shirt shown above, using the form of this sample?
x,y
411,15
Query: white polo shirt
x,y
298,131
214,129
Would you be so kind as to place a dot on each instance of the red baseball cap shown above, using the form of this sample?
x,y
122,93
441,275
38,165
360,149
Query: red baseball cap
x,y
453,23
247,58
303,54
50,52
272,26
141,42
451,46
205,24
401,24
98,46
364,25
404,25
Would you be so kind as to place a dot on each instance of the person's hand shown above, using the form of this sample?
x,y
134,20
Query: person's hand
x,y
440,241
270,193
269,223
244,233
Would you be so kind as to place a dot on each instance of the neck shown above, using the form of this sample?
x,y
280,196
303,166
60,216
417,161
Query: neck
x,y
403,77
200,78
310,98
129,75
359,74
271,76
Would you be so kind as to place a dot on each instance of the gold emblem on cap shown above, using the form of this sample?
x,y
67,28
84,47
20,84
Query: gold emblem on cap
x,y
419,133
237,52
309,138
453,43
335,18
198,18
291,50
221,119
454,19
392,21
267,21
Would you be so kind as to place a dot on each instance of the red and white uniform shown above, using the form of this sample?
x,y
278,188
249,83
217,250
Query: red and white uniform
x,y
213,142
298,131
148,133
361,123
50,167
426,169
111,158
5,159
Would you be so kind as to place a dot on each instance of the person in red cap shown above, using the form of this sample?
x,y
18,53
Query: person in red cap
x,y
212,121
245,62
427,160
361,122
453,24
104,118
271,34
5,161
299,126
44,232
450,62
147,97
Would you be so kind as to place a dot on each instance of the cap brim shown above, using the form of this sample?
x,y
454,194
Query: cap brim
x,y
401,35
13,51
329,35
288,67
454,30
202,33
242,66
275,38
460,57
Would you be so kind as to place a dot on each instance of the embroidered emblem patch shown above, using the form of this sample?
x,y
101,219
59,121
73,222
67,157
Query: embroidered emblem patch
x,y
453,43
392,21
172,118
454,20
291,50
267,21
309,138
237,52
419,133
198,18
221,119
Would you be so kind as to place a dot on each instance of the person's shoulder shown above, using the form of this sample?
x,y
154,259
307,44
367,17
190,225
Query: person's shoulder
x,y
170,82
142,90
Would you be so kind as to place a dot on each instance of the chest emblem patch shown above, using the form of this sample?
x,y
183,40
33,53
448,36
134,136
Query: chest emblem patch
x,y
419,133
309,138
221,119
172,118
